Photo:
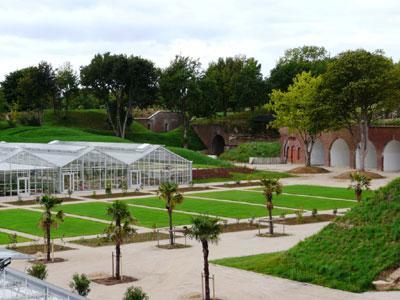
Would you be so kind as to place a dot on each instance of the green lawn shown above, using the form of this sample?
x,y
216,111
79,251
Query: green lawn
x,y
217,208
290,201
145,217
27,221
5,239
323,191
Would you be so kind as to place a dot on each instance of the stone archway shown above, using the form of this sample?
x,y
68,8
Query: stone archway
x,y
391,156
218,145
340,154
370,159
317,154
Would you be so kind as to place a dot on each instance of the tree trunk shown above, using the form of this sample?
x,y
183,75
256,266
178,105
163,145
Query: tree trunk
x,y
206,270
358,194
117,261
308,147
171,234
271,225
363,141
185,141
48,238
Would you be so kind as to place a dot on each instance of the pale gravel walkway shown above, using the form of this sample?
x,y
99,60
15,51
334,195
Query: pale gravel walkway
x,y
174,274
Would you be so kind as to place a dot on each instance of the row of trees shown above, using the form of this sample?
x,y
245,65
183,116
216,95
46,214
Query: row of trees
x,y
350,90
119,82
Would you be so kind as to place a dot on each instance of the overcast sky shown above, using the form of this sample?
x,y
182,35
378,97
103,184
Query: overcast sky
x,y
72,30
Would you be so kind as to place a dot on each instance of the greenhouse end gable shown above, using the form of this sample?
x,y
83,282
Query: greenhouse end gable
x,y
64,167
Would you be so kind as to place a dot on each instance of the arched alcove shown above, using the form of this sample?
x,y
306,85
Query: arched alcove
x,y
317,154
391,156
340,154
218,145
370,159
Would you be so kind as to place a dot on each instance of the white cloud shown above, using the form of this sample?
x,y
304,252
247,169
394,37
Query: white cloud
x,y
58,31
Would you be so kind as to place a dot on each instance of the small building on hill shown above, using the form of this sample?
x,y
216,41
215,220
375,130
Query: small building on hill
x,y
60,167
161,121
341,149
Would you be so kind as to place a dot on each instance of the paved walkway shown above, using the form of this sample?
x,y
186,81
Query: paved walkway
x,y
175,274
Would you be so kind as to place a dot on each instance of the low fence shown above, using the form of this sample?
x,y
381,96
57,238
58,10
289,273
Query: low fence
x,y
266,160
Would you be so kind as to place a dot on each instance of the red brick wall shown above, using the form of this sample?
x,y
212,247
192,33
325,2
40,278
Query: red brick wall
x,y
379,136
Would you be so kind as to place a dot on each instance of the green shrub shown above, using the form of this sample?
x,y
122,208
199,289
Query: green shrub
x,y
135,293
80,284
242,152
38,270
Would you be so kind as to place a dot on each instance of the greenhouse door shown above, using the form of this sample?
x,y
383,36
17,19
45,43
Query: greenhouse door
x,y
23,186
135,179
68,182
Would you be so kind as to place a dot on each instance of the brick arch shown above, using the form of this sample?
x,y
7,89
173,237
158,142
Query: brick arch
x,y
391,156
337,155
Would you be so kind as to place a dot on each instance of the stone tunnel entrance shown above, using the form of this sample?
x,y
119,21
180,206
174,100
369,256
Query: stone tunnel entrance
x,y
218,145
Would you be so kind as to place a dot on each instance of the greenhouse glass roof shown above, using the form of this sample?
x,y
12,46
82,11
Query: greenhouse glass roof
x,y
59,153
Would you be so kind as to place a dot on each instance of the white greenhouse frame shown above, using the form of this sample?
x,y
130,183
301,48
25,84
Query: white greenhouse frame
x,y
59,167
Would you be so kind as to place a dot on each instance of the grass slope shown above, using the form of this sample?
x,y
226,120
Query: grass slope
x,y
216,208
242,152
5,239
27,221
145,217
347,254
290,201
325,191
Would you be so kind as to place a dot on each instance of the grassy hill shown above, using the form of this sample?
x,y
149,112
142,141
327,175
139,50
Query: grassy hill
x,y
348,254
242,152
95,121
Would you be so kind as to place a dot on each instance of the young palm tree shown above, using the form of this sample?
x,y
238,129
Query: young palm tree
x,y
49,220
359,183
205,230
270,186
170,194
119,229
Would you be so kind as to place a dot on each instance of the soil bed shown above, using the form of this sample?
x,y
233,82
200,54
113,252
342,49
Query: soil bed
x,y
174,246
34,202
233,227
307,220
276,234
45,261
33,249
370,175
136,238
238,184
113,280
116,195
308,170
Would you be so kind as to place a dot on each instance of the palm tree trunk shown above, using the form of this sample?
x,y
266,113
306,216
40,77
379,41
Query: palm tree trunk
x,y
206,270
271,225
117,261
171,234
358,194
48,241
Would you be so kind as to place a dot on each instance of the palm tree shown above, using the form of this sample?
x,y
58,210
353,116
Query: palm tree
x,y
48,219
205,230
270,186
119,231
359,183
170,194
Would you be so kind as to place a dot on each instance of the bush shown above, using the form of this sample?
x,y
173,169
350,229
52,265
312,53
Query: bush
x,y
135,293
29,118
80,284
38,270
254,149
314,212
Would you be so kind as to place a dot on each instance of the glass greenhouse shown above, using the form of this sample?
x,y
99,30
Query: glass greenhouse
x,y
59,167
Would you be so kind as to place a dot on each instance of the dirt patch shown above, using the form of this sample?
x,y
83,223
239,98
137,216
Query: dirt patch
x,y
136,238
308,170
195,188
307,220
114,281
232,185
241,227
33,202
45,261
276,234
116,195
370,175
33,249
174,246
